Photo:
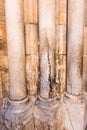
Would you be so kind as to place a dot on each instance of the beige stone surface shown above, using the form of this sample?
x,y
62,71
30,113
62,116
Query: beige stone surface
x,y
16,52
1,95
32,60
85,41
31,11
51,33
85,73
32,73
31,34
61,39
2,22
5,83
75,46
85,12
47,45
62,11
57,7
85,60
61,72
75,116
4,63
30,126
3,47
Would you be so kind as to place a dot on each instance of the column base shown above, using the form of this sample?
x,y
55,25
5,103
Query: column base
x,y
17,113
75,109
46,112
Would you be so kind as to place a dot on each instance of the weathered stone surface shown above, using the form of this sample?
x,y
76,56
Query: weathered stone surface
x,y
47,45
85,73
3,63
85,12
16,118
75,109
46,111
85,41
70,116
3,47
32,73
31,34
75,46
32,60
2,127
16,51
57,12
61,72
30,125
61,58
40,125
61,8
85,60
62,11
1,95
5,83
61,39
30,11
74,117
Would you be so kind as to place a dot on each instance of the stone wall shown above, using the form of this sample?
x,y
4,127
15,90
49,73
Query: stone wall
x,y
31,27
32,56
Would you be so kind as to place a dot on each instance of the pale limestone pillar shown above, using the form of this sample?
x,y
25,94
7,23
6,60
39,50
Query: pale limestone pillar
x,y
47,45
18,110
75,46
75,101
15,44
46,108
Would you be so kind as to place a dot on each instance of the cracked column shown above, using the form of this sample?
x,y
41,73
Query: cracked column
x,y
47,47
75,98
18,101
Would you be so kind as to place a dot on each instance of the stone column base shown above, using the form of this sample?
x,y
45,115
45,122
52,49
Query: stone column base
x,y
75,109
17,113
46,112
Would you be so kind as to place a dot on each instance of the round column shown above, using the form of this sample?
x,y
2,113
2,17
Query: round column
x,y
15,46
47,46
75,46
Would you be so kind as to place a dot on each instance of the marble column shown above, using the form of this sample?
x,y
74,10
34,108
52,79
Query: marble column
x,y
15,45
19,109
75,100
75,46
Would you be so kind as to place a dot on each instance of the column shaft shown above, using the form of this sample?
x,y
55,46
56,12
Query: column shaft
x,y
15,44
75,46
47,45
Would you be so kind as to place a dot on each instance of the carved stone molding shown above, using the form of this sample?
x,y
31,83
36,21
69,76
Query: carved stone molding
x,y
75,109
46,111
17,113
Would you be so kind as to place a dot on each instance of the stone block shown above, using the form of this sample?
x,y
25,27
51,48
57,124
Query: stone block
x,y
75,108
32,74
30,11
46,112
